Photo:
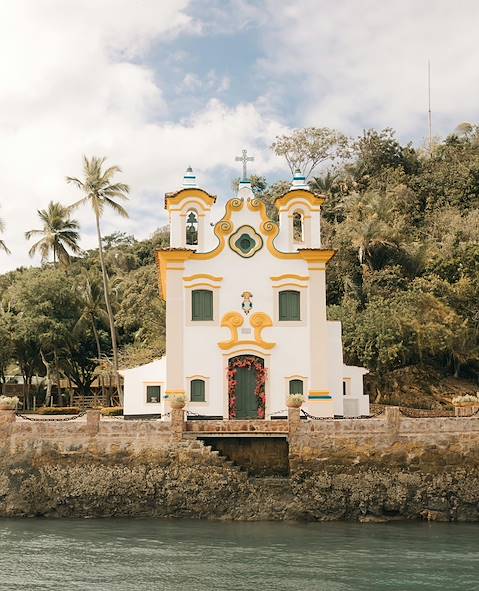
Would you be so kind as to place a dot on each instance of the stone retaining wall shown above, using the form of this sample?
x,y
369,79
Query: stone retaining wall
x,y
388,467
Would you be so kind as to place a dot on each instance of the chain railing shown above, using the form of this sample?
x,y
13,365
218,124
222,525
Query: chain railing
x,y
49,419
312,417
279,412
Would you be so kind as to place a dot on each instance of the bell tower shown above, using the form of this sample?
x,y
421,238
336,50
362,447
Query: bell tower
x,y
299,216
189,212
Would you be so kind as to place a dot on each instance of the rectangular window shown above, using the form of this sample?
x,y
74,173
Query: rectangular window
x,y
197,391
153,394
201,304
289,305
296,387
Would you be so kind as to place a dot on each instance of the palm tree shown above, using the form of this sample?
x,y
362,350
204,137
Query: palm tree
x,y
91,298
101,192
92,302
3,246
59,233
324,184
372,222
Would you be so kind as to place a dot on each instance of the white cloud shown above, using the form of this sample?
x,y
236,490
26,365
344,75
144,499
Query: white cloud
x,y
365,63
212,82
73,83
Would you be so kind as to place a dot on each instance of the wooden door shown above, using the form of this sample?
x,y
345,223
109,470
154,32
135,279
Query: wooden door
x,y
246,402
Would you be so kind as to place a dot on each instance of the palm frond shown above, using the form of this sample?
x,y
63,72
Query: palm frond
x,y
117,207
3,247
31,233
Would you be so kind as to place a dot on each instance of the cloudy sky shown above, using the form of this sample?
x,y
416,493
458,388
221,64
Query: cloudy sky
x,y
157,85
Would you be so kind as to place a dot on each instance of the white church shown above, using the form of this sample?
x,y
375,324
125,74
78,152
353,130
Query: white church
x,y
246,317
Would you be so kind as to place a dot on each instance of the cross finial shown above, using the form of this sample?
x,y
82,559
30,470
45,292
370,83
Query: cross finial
x,y
244,159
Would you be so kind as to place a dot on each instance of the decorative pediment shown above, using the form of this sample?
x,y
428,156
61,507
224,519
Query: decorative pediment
x,y
234,321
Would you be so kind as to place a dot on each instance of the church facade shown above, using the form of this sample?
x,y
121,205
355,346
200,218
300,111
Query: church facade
x,y
246,320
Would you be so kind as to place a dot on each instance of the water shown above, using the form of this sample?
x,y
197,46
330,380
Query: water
x,y
143,555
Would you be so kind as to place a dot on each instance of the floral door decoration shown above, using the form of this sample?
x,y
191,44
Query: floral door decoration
x,y
247,361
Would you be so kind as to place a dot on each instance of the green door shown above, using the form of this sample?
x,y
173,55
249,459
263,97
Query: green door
x,y
246,403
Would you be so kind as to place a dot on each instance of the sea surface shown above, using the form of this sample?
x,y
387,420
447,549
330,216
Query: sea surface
x,y
147,554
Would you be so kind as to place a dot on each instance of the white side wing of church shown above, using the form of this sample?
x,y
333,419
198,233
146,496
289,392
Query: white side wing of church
x,y
246,317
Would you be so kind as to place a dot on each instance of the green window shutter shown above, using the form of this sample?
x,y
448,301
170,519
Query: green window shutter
x,y
197,391
153,393
202,304
289,305
296,387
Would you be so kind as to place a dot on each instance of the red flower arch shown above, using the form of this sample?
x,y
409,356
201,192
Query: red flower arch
x,y
248,361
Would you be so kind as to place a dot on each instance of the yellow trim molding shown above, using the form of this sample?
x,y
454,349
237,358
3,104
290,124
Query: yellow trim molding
x,y
259,321
289,284
202,276
184,194
195,285
316,255
290,276
234,320
319,396
222,229
309,196
163,257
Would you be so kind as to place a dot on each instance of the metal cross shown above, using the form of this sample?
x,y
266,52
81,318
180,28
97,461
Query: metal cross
x,y
244,159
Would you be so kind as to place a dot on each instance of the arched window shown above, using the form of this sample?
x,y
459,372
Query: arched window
x,y
296,387
201,304
197,390
289,305
191,228
298,227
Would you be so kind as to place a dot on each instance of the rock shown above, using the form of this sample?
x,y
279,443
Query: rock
x,y
431,515
373,519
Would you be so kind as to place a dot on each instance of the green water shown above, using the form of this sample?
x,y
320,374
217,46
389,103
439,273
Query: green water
x,y
136,555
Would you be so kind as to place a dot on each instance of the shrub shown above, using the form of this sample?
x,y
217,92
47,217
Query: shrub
x,y
466,400
177,400
58,410
9,401
295,400
112,411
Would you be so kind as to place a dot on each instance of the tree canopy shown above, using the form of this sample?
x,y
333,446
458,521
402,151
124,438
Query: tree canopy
x,y
404,282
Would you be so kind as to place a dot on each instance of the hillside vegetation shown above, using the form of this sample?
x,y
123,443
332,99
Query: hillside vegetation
x,y
404,281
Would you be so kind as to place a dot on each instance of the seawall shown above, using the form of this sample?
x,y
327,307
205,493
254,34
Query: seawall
x,y
388,467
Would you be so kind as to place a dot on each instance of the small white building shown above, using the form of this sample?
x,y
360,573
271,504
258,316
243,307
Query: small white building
x,y
246,312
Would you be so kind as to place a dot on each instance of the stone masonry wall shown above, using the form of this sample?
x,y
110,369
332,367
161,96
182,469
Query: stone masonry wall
x,y
390,467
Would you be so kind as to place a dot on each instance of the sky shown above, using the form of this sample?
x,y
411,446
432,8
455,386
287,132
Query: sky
x,y
156,86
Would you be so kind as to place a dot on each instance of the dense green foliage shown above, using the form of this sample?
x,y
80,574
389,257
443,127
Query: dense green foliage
x,y
405,224
404,281
60,312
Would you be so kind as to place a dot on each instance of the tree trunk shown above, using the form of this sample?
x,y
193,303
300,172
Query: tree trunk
x,y
106,289
97,339
49,380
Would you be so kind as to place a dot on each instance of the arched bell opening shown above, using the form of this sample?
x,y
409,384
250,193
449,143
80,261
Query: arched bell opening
x,y
192,228
298,227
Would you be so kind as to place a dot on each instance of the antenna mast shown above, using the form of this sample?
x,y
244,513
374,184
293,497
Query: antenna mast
x,y
429,104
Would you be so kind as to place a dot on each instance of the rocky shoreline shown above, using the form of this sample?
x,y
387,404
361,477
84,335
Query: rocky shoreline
x,y
191,482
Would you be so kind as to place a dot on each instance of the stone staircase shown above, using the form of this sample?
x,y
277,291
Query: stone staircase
x,y
264,473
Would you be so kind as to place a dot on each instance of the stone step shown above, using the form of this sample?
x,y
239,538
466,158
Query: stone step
x,y
272,481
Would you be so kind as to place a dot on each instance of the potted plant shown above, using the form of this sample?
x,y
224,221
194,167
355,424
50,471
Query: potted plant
x,y
8,402
466,405
177,400
294,400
